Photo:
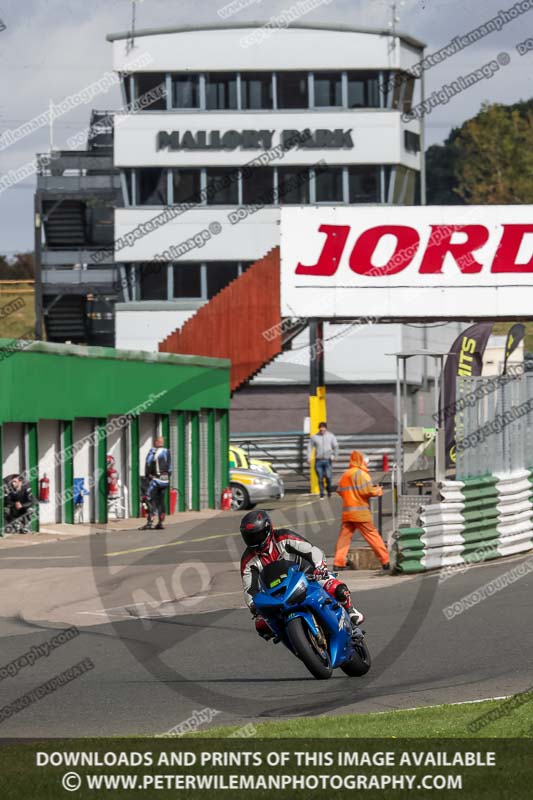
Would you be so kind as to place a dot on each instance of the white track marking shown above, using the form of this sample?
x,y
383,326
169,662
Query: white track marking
x,y
108,612
440,705
33,558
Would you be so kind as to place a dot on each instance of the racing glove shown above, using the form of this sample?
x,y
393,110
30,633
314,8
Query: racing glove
x,y
320,573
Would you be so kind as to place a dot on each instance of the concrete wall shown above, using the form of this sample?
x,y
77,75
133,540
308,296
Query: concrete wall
x,y
49,446
84,465
141,326
362,354
147,432
351,409
249,240
117,446
12,448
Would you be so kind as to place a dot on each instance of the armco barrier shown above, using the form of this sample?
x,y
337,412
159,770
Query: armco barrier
x,y
477,520
288,451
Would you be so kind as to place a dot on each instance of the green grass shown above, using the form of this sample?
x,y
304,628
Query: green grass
x,y
19,323
425,730
445,721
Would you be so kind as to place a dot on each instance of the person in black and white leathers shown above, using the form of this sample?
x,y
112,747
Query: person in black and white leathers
x,y
158,470
265,545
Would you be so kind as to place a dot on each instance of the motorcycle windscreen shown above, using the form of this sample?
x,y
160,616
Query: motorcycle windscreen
x,y
273,574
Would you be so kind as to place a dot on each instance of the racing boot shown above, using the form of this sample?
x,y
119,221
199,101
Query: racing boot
x,y
356,617
149,524
341,593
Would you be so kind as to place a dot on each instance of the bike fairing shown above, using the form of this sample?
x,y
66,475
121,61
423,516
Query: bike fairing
x,y
283,543
309,622
287,544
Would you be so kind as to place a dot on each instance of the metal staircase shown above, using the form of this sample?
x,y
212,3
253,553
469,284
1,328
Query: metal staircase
x,y
64,224
65,319
77,192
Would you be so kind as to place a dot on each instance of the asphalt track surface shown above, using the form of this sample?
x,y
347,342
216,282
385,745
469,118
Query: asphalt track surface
x,y
161,616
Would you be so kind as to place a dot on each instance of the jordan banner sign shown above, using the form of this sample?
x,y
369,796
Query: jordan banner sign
x,y
407,262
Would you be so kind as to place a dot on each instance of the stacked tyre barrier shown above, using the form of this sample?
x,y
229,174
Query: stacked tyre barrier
x,y
477,519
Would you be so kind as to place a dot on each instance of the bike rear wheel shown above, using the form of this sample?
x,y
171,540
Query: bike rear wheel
x,y
309,650
360,662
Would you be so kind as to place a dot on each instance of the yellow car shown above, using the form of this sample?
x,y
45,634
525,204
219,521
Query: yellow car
x,y
252,480
239,459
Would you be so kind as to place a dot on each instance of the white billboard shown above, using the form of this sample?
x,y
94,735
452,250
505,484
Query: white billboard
x,y
407,262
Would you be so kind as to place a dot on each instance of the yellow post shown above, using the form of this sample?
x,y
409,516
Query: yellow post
x,y
317,414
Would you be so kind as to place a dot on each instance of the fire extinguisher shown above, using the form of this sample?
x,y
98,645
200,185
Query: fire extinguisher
x,y
44,489
112,478
227,496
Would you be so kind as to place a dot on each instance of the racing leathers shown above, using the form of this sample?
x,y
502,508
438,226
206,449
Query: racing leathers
x,y
284,543
158,470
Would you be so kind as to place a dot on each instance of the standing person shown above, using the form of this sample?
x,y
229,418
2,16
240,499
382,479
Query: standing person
x,y
158,470
326,448
18,505
356,488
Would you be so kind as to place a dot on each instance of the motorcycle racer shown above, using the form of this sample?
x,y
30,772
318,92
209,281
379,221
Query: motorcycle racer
x,y
265,545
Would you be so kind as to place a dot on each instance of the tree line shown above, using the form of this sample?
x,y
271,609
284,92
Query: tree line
x,y
488,160
18,268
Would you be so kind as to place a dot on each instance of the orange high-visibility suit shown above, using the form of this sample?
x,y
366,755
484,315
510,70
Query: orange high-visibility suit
x,y
355,487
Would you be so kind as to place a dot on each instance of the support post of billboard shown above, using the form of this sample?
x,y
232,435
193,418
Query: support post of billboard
x,y
399,431
440,430
317,390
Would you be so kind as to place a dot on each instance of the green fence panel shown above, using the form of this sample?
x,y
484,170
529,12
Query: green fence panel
x,y
211,465
135,468
68,472
32,466
181,466
101,466
195,460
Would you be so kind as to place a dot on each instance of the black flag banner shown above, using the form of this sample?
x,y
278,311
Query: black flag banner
x,y
464,359
514,337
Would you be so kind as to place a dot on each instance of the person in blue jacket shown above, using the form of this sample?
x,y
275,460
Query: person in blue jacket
x,y
158,470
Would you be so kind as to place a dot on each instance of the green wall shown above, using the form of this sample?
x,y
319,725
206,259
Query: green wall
x,y
47,381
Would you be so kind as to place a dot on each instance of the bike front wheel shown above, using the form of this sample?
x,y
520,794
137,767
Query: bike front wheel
x,y
307,647
360,662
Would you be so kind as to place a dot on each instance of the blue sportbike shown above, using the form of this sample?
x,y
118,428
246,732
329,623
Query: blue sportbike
x,y
311,623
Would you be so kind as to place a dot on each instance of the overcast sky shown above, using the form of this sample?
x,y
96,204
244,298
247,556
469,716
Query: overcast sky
x,y
53,48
